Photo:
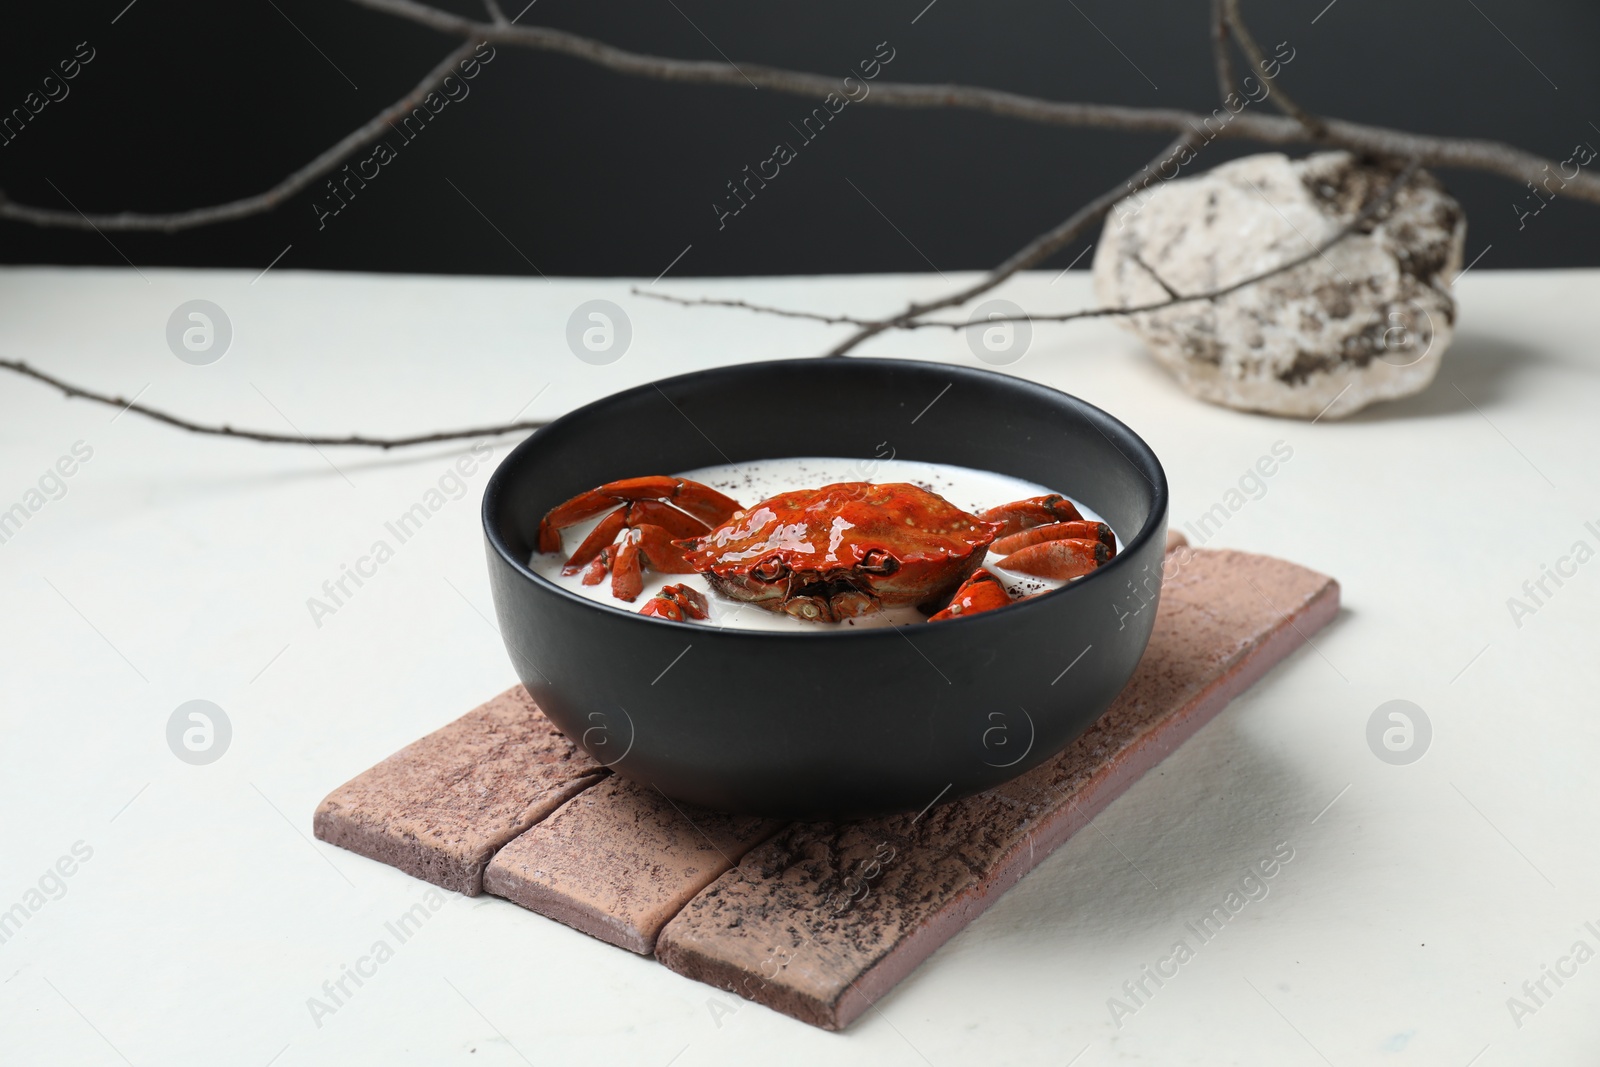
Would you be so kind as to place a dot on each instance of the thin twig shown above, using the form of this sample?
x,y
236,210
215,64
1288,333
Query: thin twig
x,y
70,390
1353,226
325,163
1315,128
1035,251
496,16
765,309
1174,298
1432,151
1220,56
1148,269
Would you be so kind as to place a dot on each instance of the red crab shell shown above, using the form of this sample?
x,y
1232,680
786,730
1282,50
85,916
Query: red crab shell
x,y
843,550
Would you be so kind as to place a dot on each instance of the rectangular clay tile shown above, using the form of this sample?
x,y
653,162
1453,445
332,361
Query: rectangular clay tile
x,y
442,806
618,860
823,919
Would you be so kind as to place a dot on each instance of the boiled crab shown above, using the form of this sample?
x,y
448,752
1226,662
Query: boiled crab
x,y
827,554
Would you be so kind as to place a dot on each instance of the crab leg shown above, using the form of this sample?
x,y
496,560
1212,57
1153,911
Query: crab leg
x,y
1055,531
1022,515
597,541
676,522
635,513
1067,558
676,602
981,592
701,501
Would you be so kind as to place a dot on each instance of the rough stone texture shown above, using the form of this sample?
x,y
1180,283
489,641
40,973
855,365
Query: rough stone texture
x,y
1366,321
442,806
823,919
619,860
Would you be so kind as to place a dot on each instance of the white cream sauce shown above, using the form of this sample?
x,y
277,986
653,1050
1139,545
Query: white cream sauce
x,y
749,483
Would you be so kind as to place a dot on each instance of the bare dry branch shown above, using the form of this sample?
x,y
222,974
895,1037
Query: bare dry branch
x,y
1220,57
865,328
1367,213
1315,129
1174,298
1035,251
323,164
1431,151
1192,131
745,305
74,391
1148,269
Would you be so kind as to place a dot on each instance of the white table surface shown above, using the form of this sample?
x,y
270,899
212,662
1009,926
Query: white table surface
x,y
178,567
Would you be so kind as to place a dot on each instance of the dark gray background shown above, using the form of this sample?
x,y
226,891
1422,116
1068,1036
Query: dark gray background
x,y
585,172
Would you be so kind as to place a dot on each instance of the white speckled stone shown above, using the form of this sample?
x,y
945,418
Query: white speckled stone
x,y
1366,321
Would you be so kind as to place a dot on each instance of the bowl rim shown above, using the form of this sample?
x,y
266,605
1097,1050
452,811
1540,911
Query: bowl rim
x,y
1151,469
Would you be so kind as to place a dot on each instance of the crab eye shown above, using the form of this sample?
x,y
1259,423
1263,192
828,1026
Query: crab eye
x,y
769,569
879,562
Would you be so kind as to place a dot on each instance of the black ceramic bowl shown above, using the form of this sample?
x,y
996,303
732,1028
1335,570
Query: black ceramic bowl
x,y
831,723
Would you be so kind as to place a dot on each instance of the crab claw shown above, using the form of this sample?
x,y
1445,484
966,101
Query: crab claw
x,y
1055,531
981,592
1022,515
1066,558
627,574
676,602
701,501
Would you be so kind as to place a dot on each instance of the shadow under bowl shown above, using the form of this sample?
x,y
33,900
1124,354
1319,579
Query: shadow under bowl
x,y
838,723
